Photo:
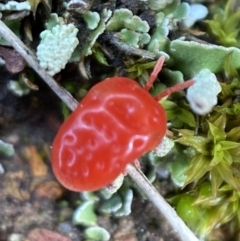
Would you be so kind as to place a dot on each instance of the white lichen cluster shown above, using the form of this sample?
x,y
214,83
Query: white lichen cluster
x,y
15,6
164,147
56,47
114,186
18,88
202,96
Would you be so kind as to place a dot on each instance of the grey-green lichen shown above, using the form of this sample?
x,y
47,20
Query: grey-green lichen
x,y
166,19
6,148
191,57
87,48
85,214
131,28
18,88
97,234
197,12
92,19
158,4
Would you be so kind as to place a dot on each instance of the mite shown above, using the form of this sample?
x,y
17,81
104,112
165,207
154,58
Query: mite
x,y
115,123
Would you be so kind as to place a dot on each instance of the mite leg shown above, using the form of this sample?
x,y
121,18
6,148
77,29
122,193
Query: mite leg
x,y
154,74
175,88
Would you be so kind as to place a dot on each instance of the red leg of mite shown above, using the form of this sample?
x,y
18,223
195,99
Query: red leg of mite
x,y
137,164
125,173
175,88
169,133
156,70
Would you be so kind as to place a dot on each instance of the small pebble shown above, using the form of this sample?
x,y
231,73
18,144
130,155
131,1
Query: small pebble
x,y
1,169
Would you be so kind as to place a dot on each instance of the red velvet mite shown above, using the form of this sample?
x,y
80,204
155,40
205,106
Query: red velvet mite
x,y
115,123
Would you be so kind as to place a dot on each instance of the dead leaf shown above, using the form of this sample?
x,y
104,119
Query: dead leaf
x,y
30,84
37,165
28,29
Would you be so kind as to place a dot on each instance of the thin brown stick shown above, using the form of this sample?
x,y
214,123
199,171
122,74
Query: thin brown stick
x,y
178,225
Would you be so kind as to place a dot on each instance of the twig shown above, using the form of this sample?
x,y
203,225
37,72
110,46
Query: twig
x,y
178,225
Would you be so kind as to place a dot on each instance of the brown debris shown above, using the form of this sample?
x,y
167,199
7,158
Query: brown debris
x,y
15,63
37,165
12,186
49,189
41,234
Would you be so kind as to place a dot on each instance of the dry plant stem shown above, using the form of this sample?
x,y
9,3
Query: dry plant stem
x,y
178,225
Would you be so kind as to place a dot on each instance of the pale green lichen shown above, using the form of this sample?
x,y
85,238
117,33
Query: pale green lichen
x,y
112,204
159,40
130,37
157,5
135,23
178,167
97,234
127,197
132,29
89,196
6,148
86,50
15,6
84,214
18,88
53,21
92,19
166,19
117,21
197,12
56,47
191,57
181,11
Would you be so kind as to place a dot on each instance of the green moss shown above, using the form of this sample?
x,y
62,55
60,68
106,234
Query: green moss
x,y
225,24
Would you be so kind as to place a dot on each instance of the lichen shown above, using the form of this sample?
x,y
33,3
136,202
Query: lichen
x,y
166,20
131,28
92,19
97,234
191,57
197,12
6,148
202,96
164,147
15,6
56,47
